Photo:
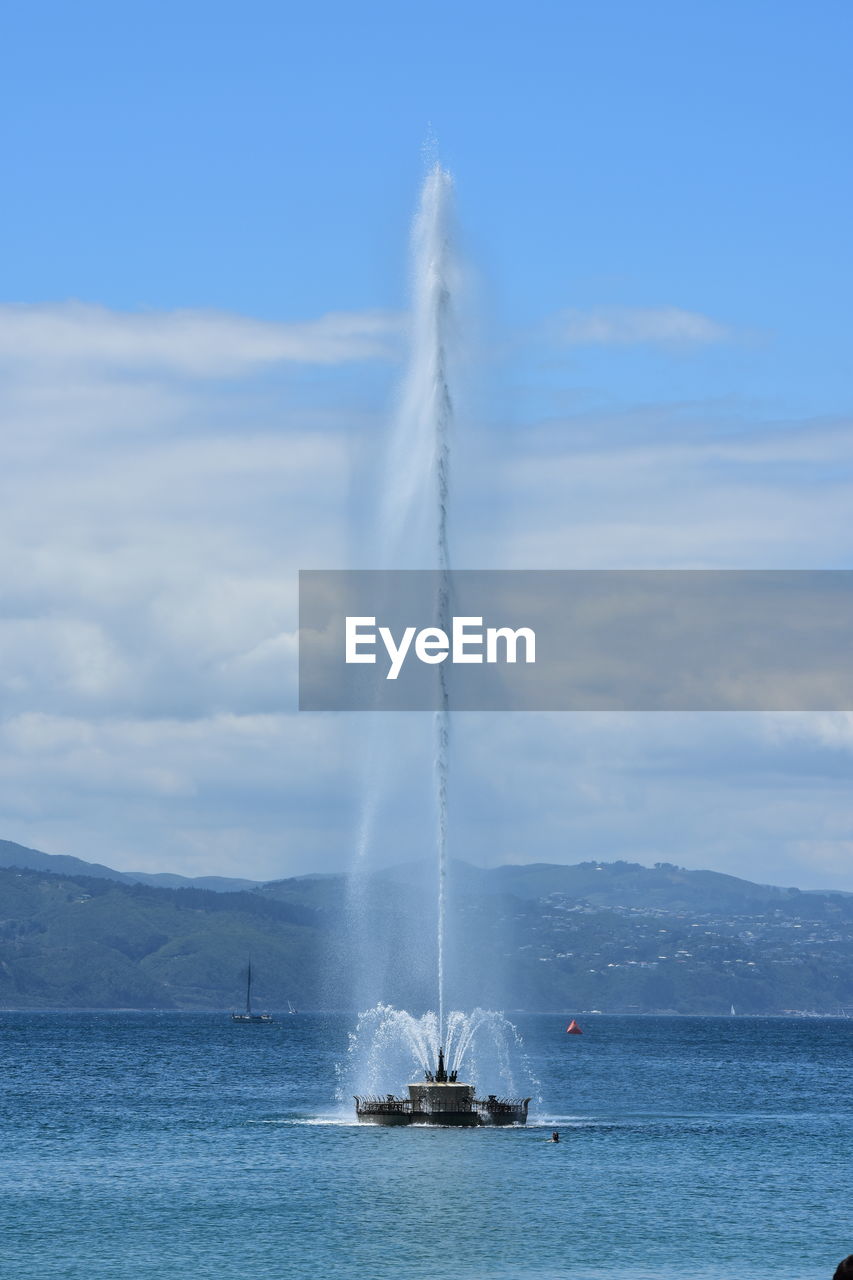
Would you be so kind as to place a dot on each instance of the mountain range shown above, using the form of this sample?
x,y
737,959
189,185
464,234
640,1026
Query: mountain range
x,y
618,936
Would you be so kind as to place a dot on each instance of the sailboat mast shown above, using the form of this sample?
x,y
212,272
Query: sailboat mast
x,y
249,989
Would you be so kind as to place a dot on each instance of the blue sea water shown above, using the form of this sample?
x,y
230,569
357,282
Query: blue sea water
x,y
167,1145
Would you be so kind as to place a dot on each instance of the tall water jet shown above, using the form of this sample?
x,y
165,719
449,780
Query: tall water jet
x,y
389,1044
414,529
428,408
413,526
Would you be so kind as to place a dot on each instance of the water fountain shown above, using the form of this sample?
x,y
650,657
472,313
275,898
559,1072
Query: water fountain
x,y
391,1043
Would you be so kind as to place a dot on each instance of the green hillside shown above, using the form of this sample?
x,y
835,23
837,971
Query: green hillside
x,y
97,943
617,937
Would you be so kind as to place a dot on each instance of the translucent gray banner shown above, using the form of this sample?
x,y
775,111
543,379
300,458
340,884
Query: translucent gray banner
x,y
576,640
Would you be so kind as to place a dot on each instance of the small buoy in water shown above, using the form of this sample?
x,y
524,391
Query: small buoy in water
x,y
573,1029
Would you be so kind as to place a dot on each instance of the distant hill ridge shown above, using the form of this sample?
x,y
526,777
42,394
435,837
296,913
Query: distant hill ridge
x,y
614,936
18,855
602,884
606,885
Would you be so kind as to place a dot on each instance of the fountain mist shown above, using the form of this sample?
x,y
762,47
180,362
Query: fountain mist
x,y
413,533
416,511
389,1043
390,1046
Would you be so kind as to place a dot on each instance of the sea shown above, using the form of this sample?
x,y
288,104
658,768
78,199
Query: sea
x,y
159,1145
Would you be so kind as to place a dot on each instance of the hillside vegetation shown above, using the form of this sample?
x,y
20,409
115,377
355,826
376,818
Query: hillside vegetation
x,y
618,937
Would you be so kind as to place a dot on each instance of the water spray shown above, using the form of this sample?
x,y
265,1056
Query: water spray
x,y
388,1043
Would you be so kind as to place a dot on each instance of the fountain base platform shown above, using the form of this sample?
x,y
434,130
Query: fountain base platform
x,y
441,1099
461,1110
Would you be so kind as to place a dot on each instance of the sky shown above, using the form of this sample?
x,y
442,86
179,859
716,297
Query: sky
x,y
203,318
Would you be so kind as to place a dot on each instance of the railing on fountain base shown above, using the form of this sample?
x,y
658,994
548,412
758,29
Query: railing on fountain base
x,y
490,1110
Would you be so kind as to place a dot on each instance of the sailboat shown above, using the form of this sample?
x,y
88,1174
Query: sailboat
x,y
247,1015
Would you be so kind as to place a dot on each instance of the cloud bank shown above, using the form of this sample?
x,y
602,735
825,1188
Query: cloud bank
x,y
199,344
161,491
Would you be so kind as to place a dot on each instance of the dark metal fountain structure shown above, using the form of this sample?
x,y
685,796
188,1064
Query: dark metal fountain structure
x,y
443,1100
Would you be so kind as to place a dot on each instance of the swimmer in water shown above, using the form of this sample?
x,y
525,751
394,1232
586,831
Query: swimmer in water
x,y
555,1137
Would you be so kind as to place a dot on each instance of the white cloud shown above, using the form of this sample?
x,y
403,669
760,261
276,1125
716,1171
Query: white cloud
x,y
632,326
595,492
152,525
58,657
221,793
832,730
151,532
201,344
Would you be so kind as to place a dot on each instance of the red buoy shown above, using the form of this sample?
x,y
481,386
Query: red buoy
x,y
573,1029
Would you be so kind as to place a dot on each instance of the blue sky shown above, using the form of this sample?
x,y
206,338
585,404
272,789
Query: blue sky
x,y
201,329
